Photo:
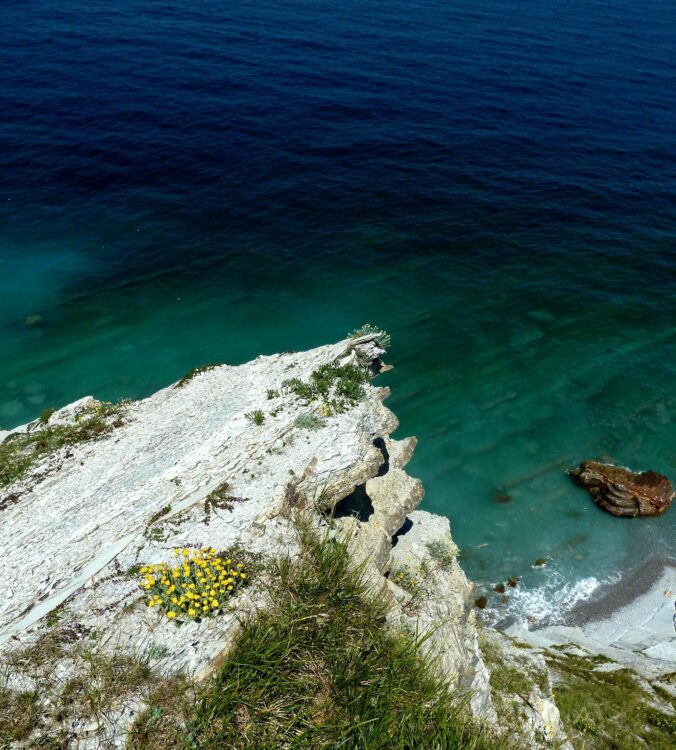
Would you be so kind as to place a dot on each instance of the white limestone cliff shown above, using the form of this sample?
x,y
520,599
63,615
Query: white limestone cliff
x,y
89,513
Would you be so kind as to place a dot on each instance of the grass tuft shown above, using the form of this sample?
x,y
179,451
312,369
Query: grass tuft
x,y
319,669
193,373
256,417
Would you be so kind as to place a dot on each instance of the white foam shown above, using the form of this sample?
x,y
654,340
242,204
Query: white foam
x,y
545,604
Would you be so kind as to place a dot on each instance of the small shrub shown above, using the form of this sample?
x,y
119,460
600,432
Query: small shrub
x,y
308,421
198,586
350,390
302,390
335,385
272,393
217,499
442,553
256,417
383,339
406,579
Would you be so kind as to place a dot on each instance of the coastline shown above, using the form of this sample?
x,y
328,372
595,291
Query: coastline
x,y
611,598
628,620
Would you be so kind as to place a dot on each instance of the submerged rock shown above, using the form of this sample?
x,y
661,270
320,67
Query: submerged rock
x,y
623,492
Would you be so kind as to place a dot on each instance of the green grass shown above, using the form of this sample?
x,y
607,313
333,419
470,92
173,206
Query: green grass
x,y
40,714
193,373
20,451
46,414
509,680
608,709
317,670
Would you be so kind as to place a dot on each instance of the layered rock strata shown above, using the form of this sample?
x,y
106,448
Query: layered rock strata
x,y
623,492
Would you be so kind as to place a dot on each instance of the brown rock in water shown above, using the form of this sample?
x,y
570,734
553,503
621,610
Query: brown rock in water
x,y
623,492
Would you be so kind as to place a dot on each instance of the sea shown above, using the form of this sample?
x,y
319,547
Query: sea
x,y
491,181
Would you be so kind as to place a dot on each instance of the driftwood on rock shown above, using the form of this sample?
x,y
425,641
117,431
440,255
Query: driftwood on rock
x,y
623,492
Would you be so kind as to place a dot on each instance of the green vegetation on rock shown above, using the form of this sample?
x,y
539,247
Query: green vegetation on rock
x,y
383,338
21,450
318,669
40,714
193,373
603,708
336,386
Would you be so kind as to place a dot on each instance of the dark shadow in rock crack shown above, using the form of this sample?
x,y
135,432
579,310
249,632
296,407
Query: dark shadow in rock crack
x,y
379,443
357,504
405,527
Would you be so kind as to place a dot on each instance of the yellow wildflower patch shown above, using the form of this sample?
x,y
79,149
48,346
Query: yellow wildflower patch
x,y
199,586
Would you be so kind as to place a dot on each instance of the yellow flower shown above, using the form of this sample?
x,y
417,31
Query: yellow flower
x,y
175,572
191,612
186,552
151,603
242,575
144,569
171,614
214,603
177,552
239,565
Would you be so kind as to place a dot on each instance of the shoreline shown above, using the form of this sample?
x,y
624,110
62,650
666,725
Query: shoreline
x,y
613,596
629,620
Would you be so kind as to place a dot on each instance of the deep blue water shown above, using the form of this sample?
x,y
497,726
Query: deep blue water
x,y
492,181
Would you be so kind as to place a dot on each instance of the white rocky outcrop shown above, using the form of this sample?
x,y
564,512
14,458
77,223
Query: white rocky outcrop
x,y
87,515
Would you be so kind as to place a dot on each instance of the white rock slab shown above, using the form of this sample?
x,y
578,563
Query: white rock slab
x,y
174,448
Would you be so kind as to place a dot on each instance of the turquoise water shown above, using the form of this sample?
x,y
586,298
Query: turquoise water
x,y
187,187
